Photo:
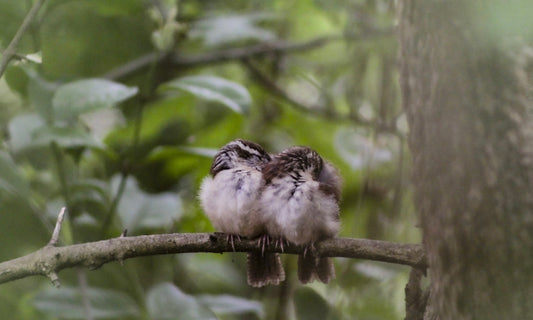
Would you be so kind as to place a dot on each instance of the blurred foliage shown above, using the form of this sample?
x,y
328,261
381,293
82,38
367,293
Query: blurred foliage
x,y
129,150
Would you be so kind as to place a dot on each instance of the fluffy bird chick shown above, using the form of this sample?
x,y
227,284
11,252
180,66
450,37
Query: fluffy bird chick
x,y
230,197
300,204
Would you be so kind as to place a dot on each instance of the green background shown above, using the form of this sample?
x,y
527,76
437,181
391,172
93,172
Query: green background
x,y
129,150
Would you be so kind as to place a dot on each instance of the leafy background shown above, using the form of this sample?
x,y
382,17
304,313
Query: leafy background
x,y
124,143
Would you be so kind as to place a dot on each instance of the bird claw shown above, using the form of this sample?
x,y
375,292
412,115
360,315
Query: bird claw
x,y
264,241
230,238
311,248
280,241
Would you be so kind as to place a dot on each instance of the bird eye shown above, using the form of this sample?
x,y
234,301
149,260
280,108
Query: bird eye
x,y
255,158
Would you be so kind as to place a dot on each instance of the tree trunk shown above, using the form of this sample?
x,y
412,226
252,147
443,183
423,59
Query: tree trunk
x,y
467,98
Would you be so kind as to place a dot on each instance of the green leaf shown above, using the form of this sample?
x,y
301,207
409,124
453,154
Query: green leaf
x,y
20,130
98,188
64,137
16,78
83,96
66,302
230,94
138,209
228,29
41,93
90,196
166,301
228,304
11,179
360,151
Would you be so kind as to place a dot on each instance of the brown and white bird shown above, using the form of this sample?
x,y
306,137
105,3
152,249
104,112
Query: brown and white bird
x,y
300,204
230,198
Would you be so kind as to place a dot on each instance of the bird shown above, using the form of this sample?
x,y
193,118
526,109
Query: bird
x,y
229,197
300,204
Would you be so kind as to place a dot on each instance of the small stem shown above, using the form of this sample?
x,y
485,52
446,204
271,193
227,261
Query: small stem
x,y
138,126
58,157
177,60
135,142
54,279
271,86
57,229
11,49
112,209
65,190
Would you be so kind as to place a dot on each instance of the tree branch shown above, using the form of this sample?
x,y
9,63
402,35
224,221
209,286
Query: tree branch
x,y
252,51
49,260
11,49
219,56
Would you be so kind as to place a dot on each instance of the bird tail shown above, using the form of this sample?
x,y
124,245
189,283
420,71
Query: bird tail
x,y
311,267
264,268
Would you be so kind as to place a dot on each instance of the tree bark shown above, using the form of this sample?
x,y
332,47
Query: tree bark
x,y
466,95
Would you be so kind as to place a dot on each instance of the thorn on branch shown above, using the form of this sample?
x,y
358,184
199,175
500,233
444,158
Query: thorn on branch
x,y
57,229
120,259
54,278
120,256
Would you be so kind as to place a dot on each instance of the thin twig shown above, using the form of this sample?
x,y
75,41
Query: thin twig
x,y
136,138
57,229
63,180
261,49
61,174
11,49
49,259
108,220
218,56
271,86
134,65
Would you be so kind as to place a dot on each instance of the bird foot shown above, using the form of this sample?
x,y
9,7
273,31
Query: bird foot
x,y
311,248
280,241
230,238
264,241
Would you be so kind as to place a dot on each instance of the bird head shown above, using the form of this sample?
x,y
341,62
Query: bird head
x,y
239,153
296,162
